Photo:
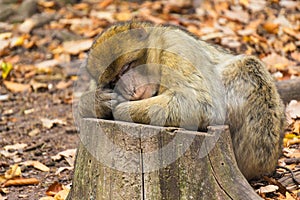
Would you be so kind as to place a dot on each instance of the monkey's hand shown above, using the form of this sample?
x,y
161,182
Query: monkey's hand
x,y
97,103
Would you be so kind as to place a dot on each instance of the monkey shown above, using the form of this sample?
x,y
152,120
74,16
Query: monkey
x,y
163,75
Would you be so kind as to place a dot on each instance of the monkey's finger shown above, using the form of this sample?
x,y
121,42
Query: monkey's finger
x,y
113,103
106,96
121,99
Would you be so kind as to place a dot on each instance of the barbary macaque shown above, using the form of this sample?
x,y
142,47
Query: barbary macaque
x,y
163,75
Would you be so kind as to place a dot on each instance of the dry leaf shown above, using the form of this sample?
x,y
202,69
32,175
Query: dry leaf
x,y
13,172
103,15
62,195
103,4
123,16
293,109
46,66
4,44
271,27
49,123
16,87
59,170
267,189
38,85
63,85
296,55
212,36
75,47
69,155
36,164
8,154
21,181
238,15
27,25
34,132
47,198
15,147
289,4
54,188
257,5
230,42
275,61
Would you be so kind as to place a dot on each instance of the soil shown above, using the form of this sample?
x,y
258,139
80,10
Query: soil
x,y
14,128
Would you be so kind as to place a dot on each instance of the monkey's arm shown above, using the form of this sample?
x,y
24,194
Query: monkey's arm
x,y
180,109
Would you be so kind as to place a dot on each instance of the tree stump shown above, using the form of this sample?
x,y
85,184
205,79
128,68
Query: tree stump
x,y
120,160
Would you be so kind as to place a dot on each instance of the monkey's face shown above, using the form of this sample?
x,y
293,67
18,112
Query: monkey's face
x,y
137,80
118,61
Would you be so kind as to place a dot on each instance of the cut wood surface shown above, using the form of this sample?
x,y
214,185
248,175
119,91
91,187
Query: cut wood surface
x,y
120,160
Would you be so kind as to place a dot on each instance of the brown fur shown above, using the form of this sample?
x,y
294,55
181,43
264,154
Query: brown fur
x,y
199,85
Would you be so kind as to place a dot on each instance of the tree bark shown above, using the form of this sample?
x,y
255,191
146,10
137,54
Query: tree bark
x,y
289,89
119,160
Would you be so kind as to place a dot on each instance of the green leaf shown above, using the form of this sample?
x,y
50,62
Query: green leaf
x,y
6,68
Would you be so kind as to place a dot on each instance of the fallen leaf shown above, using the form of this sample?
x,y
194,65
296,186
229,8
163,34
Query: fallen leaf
x,y
16,87
36,164
4,44
69,155
17,41
63,85
212,36
21,181
257,5
6,68
36,86
293,109
54,188
271,27
238,15
47,198
8,154
292,32
28,111
268,189
245,32
34,132
46,66
27,25
275,61
59,170
14,171
4,97
15,146
75,47
103,15
230,42
5,35
103,4
123,16
296,55
289,4
62,195
46,4
49,123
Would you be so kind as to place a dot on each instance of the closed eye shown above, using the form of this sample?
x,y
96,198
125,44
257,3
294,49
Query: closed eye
x,y
126,68
123,70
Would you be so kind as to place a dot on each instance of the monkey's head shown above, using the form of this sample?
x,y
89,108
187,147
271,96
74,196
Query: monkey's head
x,y
118,61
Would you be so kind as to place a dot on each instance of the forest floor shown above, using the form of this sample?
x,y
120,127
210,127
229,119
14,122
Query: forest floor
x,y
44,42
